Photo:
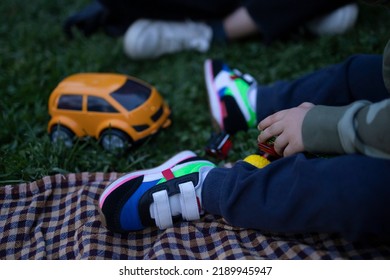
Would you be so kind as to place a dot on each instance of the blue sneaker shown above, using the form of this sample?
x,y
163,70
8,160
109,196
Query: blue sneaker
x,y
228,96
158,197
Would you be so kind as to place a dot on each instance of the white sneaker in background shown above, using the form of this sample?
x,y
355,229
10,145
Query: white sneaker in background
x,y
337,22
147,39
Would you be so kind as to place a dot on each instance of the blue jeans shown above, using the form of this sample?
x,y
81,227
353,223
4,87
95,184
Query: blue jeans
x,y
346,194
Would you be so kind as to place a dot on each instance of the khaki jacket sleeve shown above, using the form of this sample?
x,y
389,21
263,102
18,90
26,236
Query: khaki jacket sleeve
x,y
361,127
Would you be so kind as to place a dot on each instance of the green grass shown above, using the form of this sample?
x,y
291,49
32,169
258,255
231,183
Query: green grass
x,y
35,55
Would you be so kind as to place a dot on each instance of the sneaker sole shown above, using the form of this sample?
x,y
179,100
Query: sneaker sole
x,y
337,22
130,39
166,165
214,101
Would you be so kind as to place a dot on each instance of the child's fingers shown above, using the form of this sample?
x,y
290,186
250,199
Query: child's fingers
x,y
280,144
289,150
263,136
273,130
270,120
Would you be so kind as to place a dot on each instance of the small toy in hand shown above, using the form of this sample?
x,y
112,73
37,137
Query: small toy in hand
x,y
117,109
267,149
266,154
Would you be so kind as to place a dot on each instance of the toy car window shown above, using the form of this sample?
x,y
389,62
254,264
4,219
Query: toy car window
x,y
131,94
70,102
97,104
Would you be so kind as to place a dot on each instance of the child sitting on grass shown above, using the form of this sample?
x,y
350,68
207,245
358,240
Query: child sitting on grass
x,y
347,193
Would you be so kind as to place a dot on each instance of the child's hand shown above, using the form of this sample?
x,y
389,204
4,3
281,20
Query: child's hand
x,y
286,125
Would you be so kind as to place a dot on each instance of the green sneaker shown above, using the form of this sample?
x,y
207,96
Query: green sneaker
x,y
228,96
158,197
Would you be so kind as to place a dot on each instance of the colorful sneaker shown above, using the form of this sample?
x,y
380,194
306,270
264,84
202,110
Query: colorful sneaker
x,y
228,91
158,197
146,39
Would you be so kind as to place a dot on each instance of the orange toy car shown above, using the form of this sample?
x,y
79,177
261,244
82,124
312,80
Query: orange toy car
x,y
117,109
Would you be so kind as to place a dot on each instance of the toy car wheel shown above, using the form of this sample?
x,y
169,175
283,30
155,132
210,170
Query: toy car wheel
x,y
62,134
114,140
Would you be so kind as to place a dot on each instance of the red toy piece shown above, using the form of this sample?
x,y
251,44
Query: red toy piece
x,y
219,145
267,149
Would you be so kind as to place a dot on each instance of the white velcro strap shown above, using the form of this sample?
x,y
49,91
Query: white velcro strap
x,y
248,78
188,202
162,210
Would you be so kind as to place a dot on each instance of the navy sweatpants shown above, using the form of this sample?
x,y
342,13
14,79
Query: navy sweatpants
x,y
347,194
275,18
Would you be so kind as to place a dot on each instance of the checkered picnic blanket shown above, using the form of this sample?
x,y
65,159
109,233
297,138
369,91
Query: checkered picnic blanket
x,y
57,218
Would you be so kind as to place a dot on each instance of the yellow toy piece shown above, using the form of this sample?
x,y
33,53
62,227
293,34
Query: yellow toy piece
x,y
257,160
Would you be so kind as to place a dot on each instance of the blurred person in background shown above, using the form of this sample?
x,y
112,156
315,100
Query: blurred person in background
x,y
153,28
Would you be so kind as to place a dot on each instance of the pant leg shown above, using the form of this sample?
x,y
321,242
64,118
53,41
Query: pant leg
x,y
129,11
277,18
122,13
349,195
357,78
